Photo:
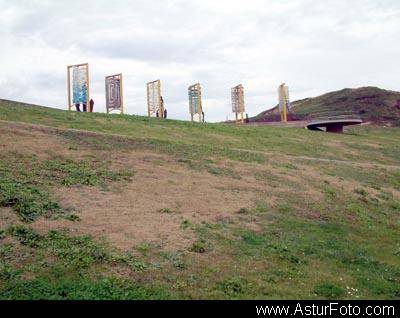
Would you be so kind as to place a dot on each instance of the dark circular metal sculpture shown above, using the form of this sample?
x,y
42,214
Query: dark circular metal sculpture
x,y
332,121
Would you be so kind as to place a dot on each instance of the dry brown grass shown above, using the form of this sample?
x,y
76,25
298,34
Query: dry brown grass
x,y
130,213
7,218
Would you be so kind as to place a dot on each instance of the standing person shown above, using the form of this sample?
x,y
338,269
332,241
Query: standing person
x,y
162,105
165,113
91,104
202,115
84,107
78,107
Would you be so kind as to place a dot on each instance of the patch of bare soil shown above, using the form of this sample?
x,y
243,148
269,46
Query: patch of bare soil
x,y
152,207
27,140
7,218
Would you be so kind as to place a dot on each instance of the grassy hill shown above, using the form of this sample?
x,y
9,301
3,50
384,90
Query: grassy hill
x,y
96,206
372,103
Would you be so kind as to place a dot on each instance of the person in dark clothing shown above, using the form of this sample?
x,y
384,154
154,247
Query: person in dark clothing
x,y
162,106
247,117
84,107
78,107
165,113
202,115
91,104
157,114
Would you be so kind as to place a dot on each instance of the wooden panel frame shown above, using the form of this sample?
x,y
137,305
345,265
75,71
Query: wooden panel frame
x,y
237,97
121,106
160,103
86,65
283,92
196,89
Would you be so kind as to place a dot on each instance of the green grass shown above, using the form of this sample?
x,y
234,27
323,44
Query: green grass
x,y
78,288
196,140
25,182
28,201
373,103
63,268
322,229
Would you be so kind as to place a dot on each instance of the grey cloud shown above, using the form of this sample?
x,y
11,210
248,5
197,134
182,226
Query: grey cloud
x,y
313,46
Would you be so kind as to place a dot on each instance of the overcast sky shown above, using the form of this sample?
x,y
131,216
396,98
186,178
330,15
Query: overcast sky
x,y
313,46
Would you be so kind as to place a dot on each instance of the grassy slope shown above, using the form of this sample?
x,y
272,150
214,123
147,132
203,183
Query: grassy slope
x,y
371,102
339,240
219,138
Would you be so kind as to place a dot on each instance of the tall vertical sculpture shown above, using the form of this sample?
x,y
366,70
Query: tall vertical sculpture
x,y
284,104
195,106
80,85
155,103
237,95
114,93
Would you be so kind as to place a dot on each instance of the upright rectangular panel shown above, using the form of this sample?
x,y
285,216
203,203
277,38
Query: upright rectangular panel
x,y
154,103
113,86
237,96
194,94
80,84
287,97
284,104
283,92
235,101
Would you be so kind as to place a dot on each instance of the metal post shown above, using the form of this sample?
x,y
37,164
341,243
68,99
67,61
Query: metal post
x,y
69,87
122,94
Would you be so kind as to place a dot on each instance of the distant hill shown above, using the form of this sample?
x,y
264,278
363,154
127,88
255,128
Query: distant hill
x,y
372,103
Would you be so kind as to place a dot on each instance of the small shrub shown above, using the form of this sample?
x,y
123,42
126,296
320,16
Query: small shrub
x,y
7,273
28,201
361,192
183,160
143,247
25,235
252,239
232,286
395,206
134,263
72,217
2,234
328,290
186,224
243,211
77,251
215,170
165,211
330,193
261,207
176,259
290,166
138,266
199,247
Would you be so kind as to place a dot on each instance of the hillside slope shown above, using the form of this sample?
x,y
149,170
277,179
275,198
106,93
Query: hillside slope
x,y
372,103
96,206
